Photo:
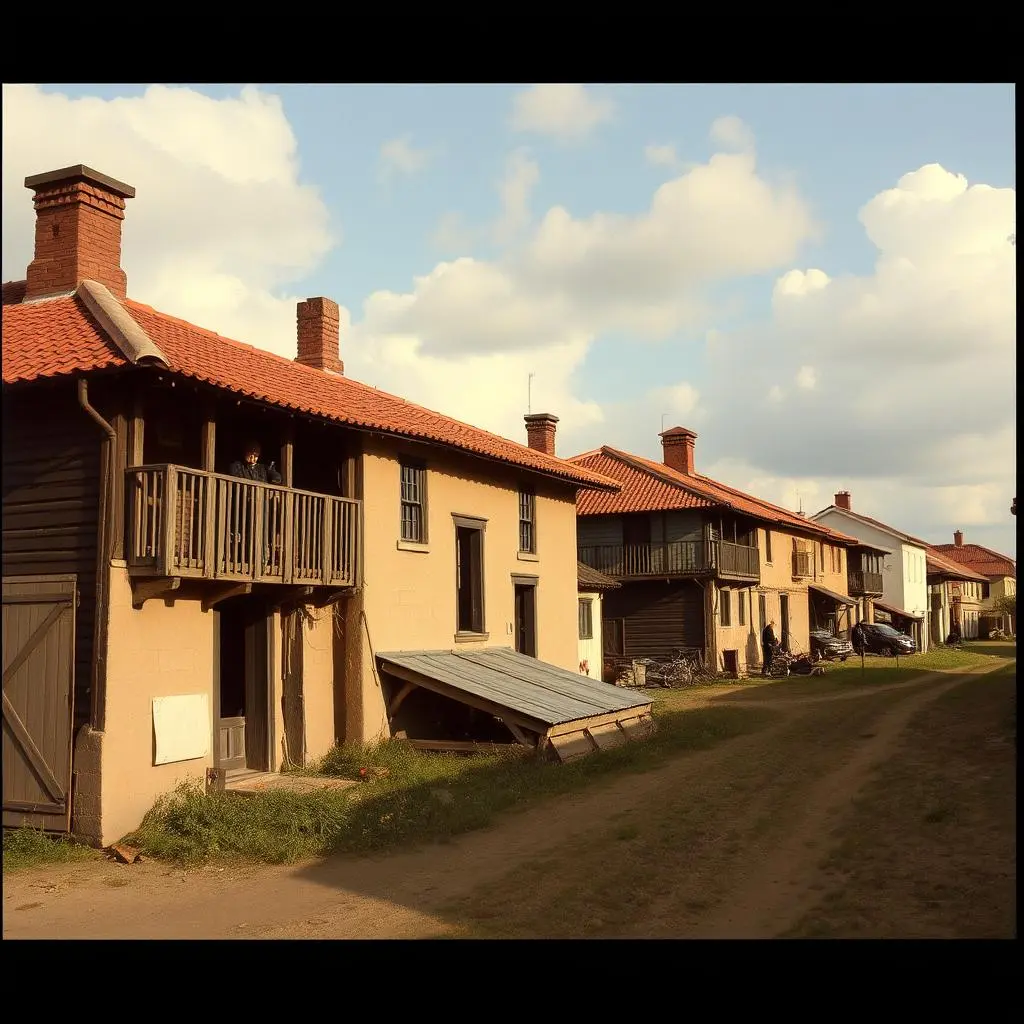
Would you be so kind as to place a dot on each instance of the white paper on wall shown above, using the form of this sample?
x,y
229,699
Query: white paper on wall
x,y
182,727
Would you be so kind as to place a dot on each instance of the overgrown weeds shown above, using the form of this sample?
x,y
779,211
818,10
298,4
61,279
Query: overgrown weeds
x,y
30,848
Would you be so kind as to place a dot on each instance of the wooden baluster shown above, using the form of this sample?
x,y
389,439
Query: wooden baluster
x,y
325,553
259,537
287,531
170,489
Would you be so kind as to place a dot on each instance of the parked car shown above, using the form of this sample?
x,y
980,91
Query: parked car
x,y
825,646
882,639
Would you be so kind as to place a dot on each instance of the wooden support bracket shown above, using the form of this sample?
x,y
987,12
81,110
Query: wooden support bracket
x,y
214,597
155,586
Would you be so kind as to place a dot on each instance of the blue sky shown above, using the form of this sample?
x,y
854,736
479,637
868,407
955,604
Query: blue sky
x,y
613,345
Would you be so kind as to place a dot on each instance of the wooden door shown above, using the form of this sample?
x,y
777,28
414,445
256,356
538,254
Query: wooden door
x,y
526,619
784,621
294,711
38,684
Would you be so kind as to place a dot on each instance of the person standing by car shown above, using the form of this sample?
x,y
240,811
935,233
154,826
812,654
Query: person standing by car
x,y
858,637
768,645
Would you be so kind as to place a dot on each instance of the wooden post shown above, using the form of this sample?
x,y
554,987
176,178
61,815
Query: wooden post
x,y
288,455
325,551
166,561
136,435
209,440
260,551
209,513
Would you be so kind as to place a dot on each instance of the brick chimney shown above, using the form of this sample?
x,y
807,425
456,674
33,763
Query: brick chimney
x,y
843,500
677,449
78,231
319,335
540,431
958,538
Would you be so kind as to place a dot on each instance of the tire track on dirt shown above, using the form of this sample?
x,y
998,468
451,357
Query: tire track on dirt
x,y
781,888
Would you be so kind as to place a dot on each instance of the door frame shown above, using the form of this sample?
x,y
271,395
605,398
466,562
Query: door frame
x,y
523,580
268,619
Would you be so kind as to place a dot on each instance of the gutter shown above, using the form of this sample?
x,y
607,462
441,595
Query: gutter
x,y
98,682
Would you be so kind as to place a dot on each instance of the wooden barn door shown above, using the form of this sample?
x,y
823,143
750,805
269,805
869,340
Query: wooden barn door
x,y
38,684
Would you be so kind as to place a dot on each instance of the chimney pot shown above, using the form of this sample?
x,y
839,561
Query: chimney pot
x,y
78,231
958,538
319,334
843,500
677,446
540,431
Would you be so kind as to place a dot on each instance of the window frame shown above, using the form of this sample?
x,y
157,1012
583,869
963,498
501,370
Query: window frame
x,y
768,546
527,499
741,611
419,468
476,628
585,604
725,608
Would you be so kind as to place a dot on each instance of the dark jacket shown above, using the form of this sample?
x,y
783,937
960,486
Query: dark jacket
x,y
768,641
259,472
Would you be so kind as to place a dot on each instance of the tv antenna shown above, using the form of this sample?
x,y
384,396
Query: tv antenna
x,y
663,415
529,392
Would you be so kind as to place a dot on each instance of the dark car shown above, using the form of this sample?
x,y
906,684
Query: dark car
x,y
825,646
882,639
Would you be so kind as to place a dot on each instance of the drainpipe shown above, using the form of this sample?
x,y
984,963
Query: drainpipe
x,y
99,653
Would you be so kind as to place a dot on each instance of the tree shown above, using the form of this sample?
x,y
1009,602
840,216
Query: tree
x,y
1006,605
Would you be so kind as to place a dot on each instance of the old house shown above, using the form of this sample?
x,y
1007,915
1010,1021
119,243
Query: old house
x,y
593,585
954,597
704,566
164,619
981,599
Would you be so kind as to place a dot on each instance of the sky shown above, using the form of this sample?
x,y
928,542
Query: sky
x,y
817,279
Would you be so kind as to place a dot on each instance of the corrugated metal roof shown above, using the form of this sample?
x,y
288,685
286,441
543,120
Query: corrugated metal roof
x,y
502,676
841,598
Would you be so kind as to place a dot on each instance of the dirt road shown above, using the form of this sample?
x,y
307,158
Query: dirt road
x,y
731,842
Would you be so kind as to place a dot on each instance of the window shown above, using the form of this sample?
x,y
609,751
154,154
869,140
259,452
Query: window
x,y
985,591
821,554
414,502
768,546
762,610
725,596
469,574
586,618
743,608
527,522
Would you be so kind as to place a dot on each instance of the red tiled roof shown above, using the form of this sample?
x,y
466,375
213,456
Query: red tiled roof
x,y
984,560
588,578
640,492
52,338
649,486
937,564
57,336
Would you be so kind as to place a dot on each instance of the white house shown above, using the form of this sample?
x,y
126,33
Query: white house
x,y
592,585
904,574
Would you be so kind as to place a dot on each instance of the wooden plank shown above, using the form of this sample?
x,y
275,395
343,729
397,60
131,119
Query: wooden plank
x,y
399,699
596,720
28,807
168,509
287,538
606,737
325,550
288,454
520,736
569,746
35,758
61,605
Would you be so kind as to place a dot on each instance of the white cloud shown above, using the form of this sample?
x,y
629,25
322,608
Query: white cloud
x,y
400,156
732,133
807,378
562,110
775,393
520,178
661,156
221,223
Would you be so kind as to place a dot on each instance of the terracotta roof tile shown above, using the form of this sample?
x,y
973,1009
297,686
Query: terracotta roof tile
x,y
55,337
938,565
51,338
989,563
649,486
586,577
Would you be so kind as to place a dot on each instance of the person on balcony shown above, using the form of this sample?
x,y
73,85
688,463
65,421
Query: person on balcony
x,y
250,467
768,646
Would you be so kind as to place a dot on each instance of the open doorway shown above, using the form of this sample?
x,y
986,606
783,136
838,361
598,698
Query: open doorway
x,y
784,622
244,687
525,614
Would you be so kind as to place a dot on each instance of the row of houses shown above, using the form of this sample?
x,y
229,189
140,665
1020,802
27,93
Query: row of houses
x,y
165,619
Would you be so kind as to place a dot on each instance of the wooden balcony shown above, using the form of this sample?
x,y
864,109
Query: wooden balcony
x,y
864,584
685,558
185,523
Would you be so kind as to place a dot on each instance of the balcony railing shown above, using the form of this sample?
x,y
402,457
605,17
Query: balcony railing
x,y
678,558
185,522
861,582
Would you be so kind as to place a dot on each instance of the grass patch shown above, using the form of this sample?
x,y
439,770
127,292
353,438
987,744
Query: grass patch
x,y
423,797
879,670
31,848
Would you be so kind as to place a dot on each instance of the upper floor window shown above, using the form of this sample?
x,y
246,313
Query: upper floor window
x,y
586,614
527,522
768,546
726,609
414,502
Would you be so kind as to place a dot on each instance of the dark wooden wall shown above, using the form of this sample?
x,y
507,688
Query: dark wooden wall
x,y
659,616
51,479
